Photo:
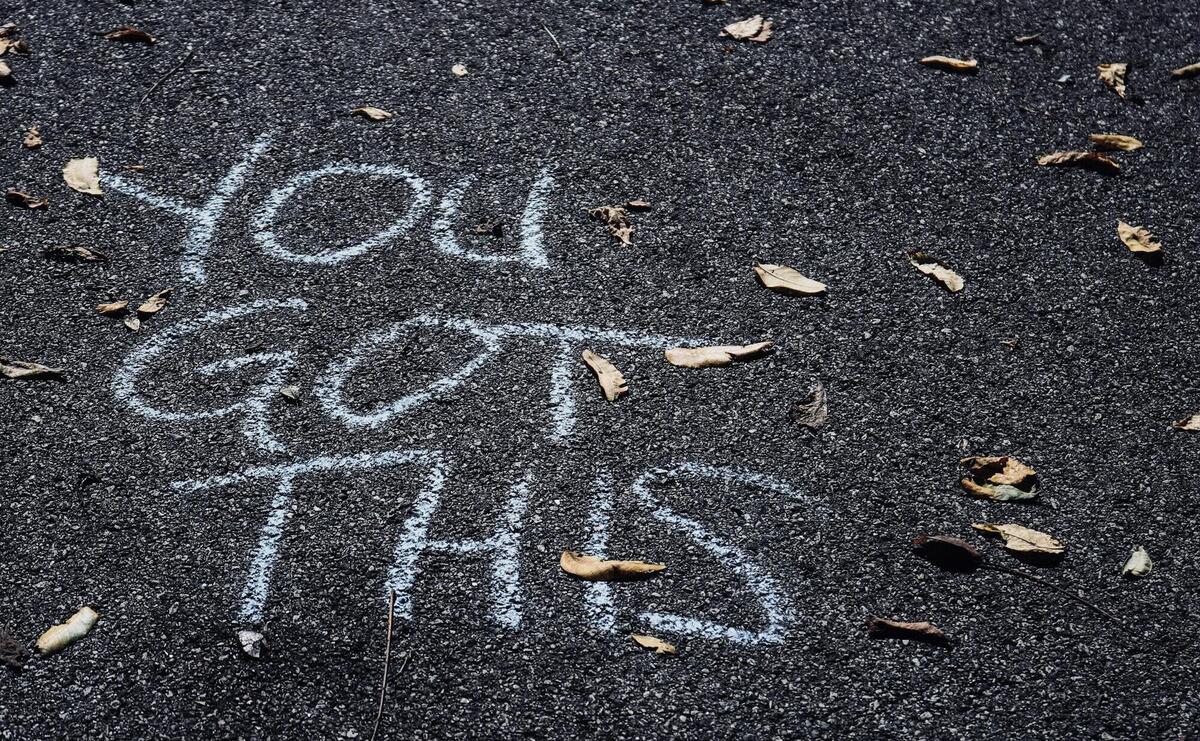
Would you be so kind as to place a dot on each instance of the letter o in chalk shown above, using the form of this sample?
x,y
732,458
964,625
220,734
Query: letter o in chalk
x,y
269,242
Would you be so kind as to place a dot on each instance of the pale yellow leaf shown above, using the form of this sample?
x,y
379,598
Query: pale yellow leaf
x,y
1020,539
931,266
1115,142
951,64
787,280
754,29
1113,75
591,568
611,380
659,646
1137,238
83,175
1138,564
60,636
709,357
132,322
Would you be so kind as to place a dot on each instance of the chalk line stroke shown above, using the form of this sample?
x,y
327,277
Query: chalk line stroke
x,y
774,603
253,408
330,388
533,250
202,220
264,220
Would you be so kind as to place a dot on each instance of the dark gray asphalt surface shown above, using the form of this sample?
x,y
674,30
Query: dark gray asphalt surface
x,y
828,149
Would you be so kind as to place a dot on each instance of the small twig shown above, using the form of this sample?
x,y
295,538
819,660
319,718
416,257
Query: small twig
x,y
550,33
387,656
187,58
1054,587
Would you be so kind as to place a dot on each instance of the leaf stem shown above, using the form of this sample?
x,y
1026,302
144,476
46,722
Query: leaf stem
x,y
1056,588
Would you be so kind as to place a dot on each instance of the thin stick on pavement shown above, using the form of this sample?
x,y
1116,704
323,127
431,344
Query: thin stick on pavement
x,y
387,657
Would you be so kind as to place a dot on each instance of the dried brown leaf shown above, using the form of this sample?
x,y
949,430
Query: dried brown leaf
x,y
611,380
659,646
74,253
617,219
373,113
813,411
950,64
754,29
1190,70
20,198
155,303
8,29
12,653
112,308
1113,142
1030,39
709,357
1113,75
1190,424
33,139
83,175
129,34
638,204
1020,539
1002,478
1087,160
936,269
1137,238
19,369
787,280
878,627
590,568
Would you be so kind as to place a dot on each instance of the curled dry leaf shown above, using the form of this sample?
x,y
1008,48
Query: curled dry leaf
x,y
813,411
1001,478
33,139
1113,75
950,64
83,175
1020,539
1183,73
74,253
113,307
60,636
787,280
948,552
19,369
155,303
1112,142
617,219
1086,160
373,113
12,653
590,568
20,198
638,204
1138,564
252,642
754,29
611,380
1030,39
878,627
291,393
129,34
1191,424
459,70
1137,238
659,646
709,357
936,269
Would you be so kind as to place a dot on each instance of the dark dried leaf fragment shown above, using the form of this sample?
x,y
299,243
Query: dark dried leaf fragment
x,y
813,411
878,627
948,552
23,199
12,653
129,34
74,253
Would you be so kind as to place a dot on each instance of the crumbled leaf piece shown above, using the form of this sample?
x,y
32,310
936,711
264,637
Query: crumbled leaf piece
x,y
291,393
19,369
659,646
7,29
112,308
638,204
1113,75
6,75
495,229
1087,160
590,568
1138,564
611,380
1032,38
1191,424
754,29
33,139
1020,539
787,280
950,64
948,552
373,113
1002,478
74,253
936,269
1183,73
155,303
617,219
252,642
83,175
12,653
20,198
813,411
709,357
1137,238
459,70
129,34
878,627
1112,142
132,322
60,636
